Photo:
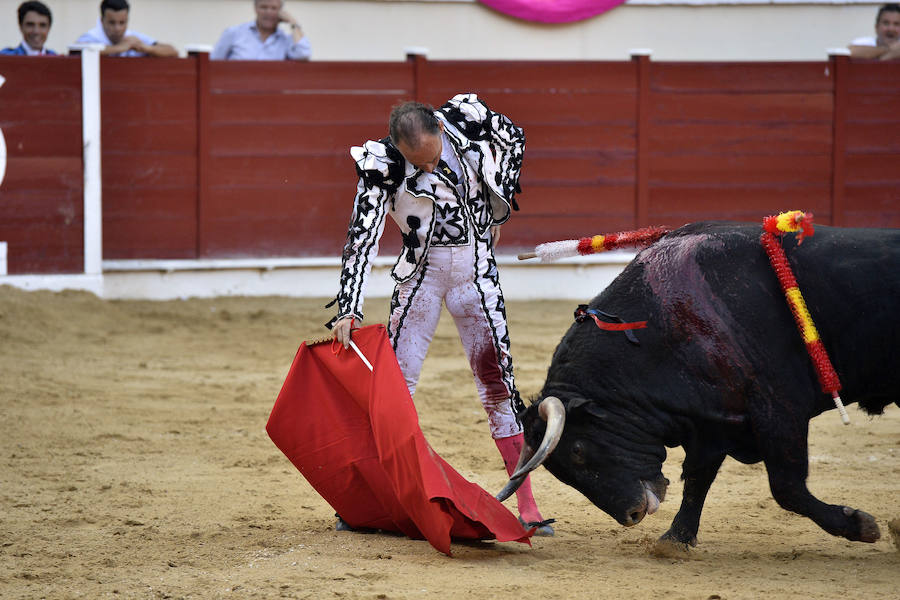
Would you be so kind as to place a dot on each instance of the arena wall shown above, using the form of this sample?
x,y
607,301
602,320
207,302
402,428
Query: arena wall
x,y
379,30
213,160
204,162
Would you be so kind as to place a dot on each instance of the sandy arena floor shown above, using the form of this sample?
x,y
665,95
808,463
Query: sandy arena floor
x,y
134,464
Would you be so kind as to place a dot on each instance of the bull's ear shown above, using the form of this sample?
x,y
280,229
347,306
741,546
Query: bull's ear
x,y
586,405
595,410
576,402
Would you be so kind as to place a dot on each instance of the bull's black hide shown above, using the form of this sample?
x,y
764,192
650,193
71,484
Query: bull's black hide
x,y
722,370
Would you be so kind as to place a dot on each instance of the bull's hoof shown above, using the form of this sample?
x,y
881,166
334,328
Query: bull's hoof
x,y
682,540
670,548
865,523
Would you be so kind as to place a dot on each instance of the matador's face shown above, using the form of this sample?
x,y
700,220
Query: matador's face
x,y
425,153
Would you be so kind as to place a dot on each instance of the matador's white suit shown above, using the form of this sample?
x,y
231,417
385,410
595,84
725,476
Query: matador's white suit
x,y
445,219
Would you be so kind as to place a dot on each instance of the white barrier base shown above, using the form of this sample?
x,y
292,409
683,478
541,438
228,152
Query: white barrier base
x,y
578,278
56,283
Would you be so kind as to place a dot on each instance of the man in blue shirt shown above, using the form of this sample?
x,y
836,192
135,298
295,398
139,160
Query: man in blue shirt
x,y
34,23
262,39
112,31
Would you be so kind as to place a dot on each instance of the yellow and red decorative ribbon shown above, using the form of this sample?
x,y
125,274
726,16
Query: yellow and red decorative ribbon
x,y
776,226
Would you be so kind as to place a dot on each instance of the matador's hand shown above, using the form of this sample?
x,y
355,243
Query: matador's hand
x,y
341,331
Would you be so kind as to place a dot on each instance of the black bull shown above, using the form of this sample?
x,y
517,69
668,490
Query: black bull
x,y
722,370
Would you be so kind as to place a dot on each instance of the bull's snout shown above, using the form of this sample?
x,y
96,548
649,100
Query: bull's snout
x,y
648,505
634,518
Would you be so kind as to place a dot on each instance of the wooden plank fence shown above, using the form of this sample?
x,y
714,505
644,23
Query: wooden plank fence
x,y
208,160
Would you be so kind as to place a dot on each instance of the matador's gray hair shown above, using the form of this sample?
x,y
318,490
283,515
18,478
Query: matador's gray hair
x,y
410,120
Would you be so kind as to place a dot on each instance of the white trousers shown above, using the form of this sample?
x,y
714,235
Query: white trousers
x,y
465,278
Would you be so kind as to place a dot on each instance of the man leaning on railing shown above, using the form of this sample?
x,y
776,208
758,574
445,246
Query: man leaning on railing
x,y
885,44
112,31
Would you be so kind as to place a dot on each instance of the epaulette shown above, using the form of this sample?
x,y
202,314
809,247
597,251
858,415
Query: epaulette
x,y
379,164
470,115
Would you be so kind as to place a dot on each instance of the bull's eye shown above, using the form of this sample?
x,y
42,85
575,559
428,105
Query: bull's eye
x,y
579,453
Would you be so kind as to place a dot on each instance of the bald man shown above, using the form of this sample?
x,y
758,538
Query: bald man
x,y
448,179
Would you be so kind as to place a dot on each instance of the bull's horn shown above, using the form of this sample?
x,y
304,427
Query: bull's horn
x,y
552,411
514,482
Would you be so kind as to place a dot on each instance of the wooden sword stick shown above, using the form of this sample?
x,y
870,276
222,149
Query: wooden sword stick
x,y
361,355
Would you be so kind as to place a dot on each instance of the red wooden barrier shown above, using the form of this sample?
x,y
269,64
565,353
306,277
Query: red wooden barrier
x,y
872,161
579,122
738,140
280,178
229,159
149,144
41,201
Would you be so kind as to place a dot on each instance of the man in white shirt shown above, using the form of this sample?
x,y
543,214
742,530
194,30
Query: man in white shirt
x,y
885,44
112,31
262,39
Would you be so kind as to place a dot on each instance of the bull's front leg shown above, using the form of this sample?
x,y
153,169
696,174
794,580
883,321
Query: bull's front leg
x,y
683,532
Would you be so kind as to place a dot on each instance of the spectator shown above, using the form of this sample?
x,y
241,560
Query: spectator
x,y
885,44
34,23
262,39
112,31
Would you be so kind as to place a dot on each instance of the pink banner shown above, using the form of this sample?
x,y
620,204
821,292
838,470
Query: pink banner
x,y
552,11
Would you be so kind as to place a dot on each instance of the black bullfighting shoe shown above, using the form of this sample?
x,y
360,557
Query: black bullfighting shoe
x,y
543,527
342,525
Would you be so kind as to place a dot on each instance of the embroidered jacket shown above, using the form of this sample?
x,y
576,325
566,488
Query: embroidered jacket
x,y
490,148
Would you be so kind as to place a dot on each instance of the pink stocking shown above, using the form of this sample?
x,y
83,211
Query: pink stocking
x,y
510,448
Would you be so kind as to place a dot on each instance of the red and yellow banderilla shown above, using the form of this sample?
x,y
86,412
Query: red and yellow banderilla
x,y
776,226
